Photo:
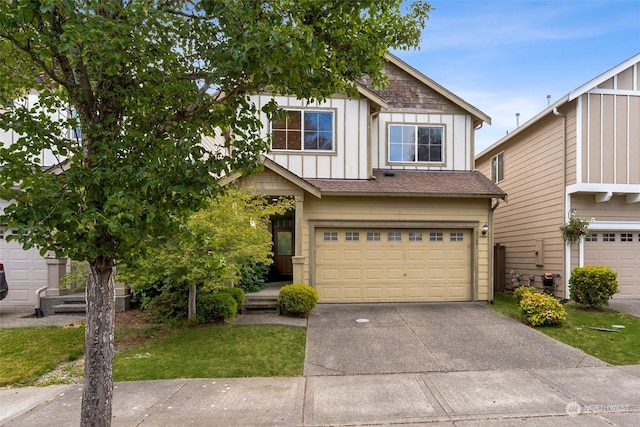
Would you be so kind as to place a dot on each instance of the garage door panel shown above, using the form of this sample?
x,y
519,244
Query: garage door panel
x,y
352,274
373,255
406,268
395,255
623,257
395,292
374,293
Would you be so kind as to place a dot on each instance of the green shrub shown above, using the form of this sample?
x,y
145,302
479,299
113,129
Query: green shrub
x,y
297,299
167,307
541,309
593,286
253,276
216,307
236,293
519,293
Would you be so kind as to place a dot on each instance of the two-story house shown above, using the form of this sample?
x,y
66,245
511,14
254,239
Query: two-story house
x,y
388,206
577,158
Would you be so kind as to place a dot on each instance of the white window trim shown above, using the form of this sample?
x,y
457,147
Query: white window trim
x,y
302,149
417,125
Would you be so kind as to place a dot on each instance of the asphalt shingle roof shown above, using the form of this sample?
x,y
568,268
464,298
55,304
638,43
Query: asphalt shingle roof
x,y
414,183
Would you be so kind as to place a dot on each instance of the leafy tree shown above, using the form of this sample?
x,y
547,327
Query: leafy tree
x,y
213,245
147,78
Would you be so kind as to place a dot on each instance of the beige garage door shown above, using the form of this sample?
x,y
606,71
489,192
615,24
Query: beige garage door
x,y
392,265
619,251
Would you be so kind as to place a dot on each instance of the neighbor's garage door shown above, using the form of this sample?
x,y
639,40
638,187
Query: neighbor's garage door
x,y
392,265
25,270
619,251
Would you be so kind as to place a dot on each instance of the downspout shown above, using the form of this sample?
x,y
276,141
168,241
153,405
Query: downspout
x,y
490,243
567,201
38,310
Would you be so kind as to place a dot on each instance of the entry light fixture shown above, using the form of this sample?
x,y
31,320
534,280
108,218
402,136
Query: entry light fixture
x,y
485,229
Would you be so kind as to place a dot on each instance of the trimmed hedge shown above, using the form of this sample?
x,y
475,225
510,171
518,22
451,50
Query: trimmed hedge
x,y
216,307
593,286
297,299
541,309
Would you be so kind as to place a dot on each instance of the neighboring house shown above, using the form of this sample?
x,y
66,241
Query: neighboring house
x,y
26,270
578,157
388,206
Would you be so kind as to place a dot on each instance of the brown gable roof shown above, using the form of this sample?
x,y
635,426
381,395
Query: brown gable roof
x,y
398,183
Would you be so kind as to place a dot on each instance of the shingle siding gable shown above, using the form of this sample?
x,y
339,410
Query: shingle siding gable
x,y
405,92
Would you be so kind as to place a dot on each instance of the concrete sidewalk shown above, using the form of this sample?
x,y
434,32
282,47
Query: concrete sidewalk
x,y
598,396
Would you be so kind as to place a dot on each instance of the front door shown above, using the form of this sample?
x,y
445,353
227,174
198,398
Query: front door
x,y
283,252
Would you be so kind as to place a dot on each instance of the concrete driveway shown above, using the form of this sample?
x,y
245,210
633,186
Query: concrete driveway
x,y
360,339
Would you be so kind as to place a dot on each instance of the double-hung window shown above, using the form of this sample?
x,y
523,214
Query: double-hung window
x,y
416,143
304,130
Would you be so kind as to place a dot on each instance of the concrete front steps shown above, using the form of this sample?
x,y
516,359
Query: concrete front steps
x,y
259,304
64,304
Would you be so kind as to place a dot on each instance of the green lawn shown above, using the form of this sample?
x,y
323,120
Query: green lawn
x,y
215,352
615,348
146,352
28,353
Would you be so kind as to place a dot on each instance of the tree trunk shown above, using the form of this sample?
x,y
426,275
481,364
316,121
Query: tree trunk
x,y
97,394
192,302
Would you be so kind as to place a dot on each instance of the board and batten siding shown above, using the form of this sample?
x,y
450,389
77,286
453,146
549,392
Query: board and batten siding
x,y
349,160
534,211
609,125
402,213
458,140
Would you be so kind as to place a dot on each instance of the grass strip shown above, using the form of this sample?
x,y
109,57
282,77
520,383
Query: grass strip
x,y
615,348
217,351
28,353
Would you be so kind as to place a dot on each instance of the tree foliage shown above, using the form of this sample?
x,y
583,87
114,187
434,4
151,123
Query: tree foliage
x,y
210,249
143,80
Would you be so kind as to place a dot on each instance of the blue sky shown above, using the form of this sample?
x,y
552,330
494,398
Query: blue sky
x,y
505,57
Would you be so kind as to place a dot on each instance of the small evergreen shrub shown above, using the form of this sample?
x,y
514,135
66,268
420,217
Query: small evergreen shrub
x,y
593,286
236,293
297,299
519,293
541,310
167,307
253,276
216,307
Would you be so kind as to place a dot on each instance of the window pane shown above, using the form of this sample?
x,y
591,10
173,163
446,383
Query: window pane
x,y
325,122
294,120
395,134
279,141
310,141
294,140
325,141
284,242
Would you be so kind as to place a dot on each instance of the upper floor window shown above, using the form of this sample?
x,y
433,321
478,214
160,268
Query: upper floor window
x,y
497,167
413,143
304,130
